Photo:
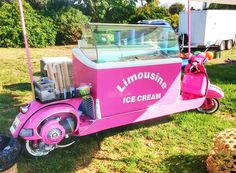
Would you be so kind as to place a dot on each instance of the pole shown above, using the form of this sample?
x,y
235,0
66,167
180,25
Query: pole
x,y
189,29
26,46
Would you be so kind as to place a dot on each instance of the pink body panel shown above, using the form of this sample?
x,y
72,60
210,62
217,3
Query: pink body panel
x,y
214,92
139,94
38,112
38,117
34,106
195,84
141,115
84,74
123,90
45,130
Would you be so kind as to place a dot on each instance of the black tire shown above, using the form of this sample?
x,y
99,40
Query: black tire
x,y
229,44
222,45
183,37
10,149
211,110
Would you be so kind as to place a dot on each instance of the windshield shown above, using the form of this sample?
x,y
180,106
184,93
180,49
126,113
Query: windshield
x,y
122,42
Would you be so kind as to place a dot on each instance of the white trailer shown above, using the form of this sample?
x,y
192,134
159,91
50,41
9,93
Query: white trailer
x,y
215,26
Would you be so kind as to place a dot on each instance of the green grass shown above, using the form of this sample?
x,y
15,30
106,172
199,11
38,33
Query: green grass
x,y
178,144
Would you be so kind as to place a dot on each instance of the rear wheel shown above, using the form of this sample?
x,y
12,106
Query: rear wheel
x,y
222,45
229,44
53,131
183,39
209,106
38,148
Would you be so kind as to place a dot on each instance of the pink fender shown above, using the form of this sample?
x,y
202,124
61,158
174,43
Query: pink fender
x,y
38,117
214,92
38,112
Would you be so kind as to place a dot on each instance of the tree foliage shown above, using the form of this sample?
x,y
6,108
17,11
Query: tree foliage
x,y
61,21
149,11
108,10
152,1
120,14
70,23
176,8
221,6
174,20
50,5
38,4
41,31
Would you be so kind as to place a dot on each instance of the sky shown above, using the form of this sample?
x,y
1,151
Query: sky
x,y
196,5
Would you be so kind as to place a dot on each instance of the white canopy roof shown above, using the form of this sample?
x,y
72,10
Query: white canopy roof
x,y
232,2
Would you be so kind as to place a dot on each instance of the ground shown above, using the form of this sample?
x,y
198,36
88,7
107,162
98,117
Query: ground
x,y
178,144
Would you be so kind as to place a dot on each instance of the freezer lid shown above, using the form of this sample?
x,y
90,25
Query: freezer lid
x,y
232,2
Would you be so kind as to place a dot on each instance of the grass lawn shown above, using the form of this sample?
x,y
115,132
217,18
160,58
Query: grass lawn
x,y
177,144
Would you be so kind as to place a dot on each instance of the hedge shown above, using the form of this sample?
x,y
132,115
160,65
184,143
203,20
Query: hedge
x,y
41,30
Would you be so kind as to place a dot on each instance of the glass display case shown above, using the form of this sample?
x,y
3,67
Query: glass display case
x,y
103,43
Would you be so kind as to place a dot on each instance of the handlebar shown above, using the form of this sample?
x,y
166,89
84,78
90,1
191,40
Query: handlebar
x,y
194,67
196,64
200,59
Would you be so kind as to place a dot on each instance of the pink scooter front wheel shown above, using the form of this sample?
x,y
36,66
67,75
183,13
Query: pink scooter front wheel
x,y
210,106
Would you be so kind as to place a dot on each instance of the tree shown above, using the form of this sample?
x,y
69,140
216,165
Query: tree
x,y
221,6
38,4
176,8
118,13
142,3
9,1
41,30
70,23
153,1
108,10
55,5
68,20
174,20
149,11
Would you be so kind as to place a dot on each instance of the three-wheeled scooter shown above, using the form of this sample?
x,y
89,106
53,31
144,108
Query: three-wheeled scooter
x,y
122,74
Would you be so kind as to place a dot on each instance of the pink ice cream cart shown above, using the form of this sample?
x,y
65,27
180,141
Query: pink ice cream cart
x,y
122,74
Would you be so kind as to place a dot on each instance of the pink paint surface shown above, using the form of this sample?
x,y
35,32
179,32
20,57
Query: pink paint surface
x,y
138,94
122,99
195,84
38,112
214,92
141,115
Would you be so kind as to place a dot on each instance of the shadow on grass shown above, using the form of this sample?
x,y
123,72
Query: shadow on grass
x,y
130,127
62,160
37,74
79,155
18,86
224,73
185,163
8,111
